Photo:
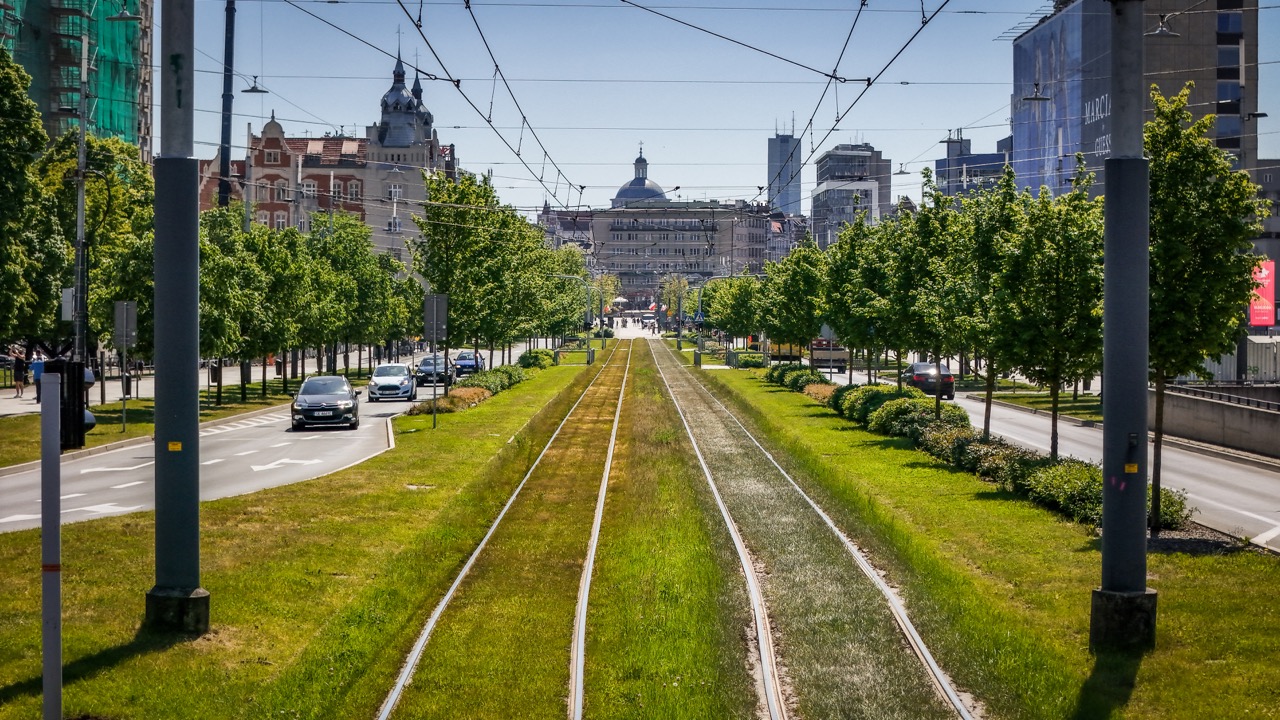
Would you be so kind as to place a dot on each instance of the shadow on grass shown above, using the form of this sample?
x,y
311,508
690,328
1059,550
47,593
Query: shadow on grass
x,y
144,642
1109,685
1177,542
999,494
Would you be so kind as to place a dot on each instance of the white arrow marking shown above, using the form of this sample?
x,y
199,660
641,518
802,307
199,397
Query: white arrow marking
x,y
246,452
72,495
104,509
117,469
281,462
281,444
18,518
211,462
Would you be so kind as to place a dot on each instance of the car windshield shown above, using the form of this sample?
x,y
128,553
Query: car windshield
x,y
324,386
466,355
390,370
431,362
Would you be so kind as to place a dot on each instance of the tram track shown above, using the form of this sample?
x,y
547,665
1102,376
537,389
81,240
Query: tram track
x,y
414,658
746,441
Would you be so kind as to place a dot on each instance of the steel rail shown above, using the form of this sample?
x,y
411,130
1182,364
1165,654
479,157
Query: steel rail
x,y
415,654
578,653
764,636
939,678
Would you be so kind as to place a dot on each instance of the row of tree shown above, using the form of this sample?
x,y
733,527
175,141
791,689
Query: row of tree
x,y
1016,279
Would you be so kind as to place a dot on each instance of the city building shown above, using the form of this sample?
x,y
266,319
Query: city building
x,y
568,228
378,177
784,173
1061,102
53,39
851,179
963,171
644,237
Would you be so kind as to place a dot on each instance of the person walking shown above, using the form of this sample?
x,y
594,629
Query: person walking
x,y
37,370
20,369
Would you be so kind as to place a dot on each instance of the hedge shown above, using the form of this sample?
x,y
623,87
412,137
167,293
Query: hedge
x,y
910,416
537,358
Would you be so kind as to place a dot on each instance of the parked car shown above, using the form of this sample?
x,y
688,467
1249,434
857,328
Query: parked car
x,y
392,381
326,400
924,375
433,369
467,362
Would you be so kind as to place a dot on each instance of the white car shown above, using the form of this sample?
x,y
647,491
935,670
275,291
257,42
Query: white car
x,y
392,381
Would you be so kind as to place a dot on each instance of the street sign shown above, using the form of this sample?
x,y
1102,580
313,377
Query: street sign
x,y
126,328
435,317
68,304
698,317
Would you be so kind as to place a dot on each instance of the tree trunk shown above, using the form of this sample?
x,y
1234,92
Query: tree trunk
x,y
899,361
1154,521
1054,389
246,376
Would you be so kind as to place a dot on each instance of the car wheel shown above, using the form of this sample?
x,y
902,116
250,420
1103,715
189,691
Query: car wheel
x,y
952,396
297,426
354,423
373,399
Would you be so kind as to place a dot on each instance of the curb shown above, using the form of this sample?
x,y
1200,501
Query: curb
x,y
1256,461
111,447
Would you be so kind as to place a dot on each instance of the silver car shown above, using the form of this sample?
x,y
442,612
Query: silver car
x,y
392,381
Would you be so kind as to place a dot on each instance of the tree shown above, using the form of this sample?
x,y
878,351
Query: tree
x,y
1055,316
27,256
1204,216
790,300
858,267
732,305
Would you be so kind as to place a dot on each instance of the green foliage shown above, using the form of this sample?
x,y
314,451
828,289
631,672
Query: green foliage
x,y
789,305
537,358
1009,466
775,372
798,380
495,380
950,443
21,252
1074,488
836,401
909,417
750,360
731,305
860,403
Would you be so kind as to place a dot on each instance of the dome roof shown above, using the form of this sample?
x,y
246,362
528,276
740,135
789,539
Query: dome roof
x,y
641,189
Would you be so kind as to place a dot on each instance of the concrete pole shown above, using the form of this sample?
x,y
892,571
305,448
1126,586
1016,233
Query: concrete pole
x,y
177,602
51,543
1124,610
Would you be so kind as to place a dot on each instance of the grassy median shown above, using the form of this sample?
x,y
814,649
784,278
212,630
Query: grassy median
x,y
317,589
1000,589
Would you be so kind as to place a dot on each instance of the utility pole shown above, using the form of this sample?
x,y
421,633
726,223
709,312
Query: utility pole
x,y
1123,613
224,150
177,602
80,313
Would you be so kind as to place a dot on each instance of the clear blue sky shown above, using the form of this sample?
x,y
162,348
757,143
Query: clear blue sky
x,y
595,78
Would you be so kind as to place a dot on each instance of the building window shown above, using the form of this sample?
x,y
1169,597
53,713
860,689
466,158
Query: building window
x,y
394,191
309,188
282,191
264,217
272,157
353,191
393,225
336,190
1266,178
1228,126
1230,22
1229,55
303,224
282,219
1229,91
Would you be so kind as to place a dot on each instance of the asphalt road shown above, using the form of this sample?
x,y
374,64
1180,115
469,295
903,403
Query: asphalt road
x,y
237,456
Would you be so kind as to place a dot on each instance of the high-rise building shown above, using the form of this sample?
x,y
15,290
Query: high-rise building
x,y
1061,73
963,171
851,179
52,39
784,173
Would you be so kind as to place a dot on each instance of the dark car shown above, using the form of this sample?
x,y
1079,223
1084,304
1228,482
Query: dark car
x,y
467,362
432,369
326,400
924,375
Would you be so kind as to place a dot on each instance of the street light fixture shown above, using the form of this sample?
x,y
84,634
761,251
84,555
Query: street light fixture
x,y
1163,29
1035,95
254,88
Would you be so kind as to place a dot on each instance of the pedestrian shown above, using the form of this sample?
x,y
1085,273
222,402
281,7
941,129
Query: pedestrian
x,y
20,369
37,370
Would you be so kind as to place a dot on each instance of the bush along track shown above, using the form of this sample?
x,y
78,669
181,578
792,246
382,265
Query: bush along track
x,y
498,644
841,650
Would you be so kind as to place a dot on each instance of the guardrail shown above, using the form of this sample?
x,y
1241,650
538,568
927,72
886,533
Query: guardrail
x,y
1224,397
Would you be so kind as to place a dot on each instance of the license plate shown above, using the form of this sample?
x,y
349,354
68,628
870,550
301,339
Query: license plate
x,y
323,413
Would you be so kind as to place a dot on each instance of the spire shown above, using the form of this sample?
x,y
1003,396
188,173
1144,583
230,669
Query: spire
x,y
417,86
397,75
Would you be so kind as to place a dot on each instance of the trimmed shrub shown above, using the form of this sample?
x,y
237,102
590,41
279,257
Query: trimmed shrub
x,y
605,332
775,373
868,398
821,393
797,381
456,400
495,381
514,374
949,444
909,417
1009,466
537,358
1174,512
1071,487
835,401
750,360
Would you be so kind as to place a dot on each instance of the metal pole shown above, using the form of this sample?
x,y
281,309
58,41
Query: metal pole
x,y
679,321
224,150
177,602
81,309
51,542
1124,609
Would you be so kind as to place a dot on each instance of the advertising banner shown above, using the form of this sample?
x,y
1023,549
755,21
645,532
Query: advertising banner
x,y
1262,309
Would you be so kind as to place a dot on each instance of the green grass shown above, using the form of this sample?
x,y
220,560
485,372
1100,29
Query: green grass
x,y
1087,407
501,648
668,605
1001,590
318,589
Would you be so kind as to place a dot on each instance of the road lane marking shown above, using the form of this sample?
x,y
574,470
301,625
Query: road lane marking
x,y
282,444
246,452
103,509
117,469
18,518
72,495
1224,506
128,484
1265,537
212,462
281,462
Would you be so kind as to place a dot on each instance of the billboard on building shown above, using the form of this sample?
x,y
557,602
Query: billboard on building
x,y
1262,309
1047,131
